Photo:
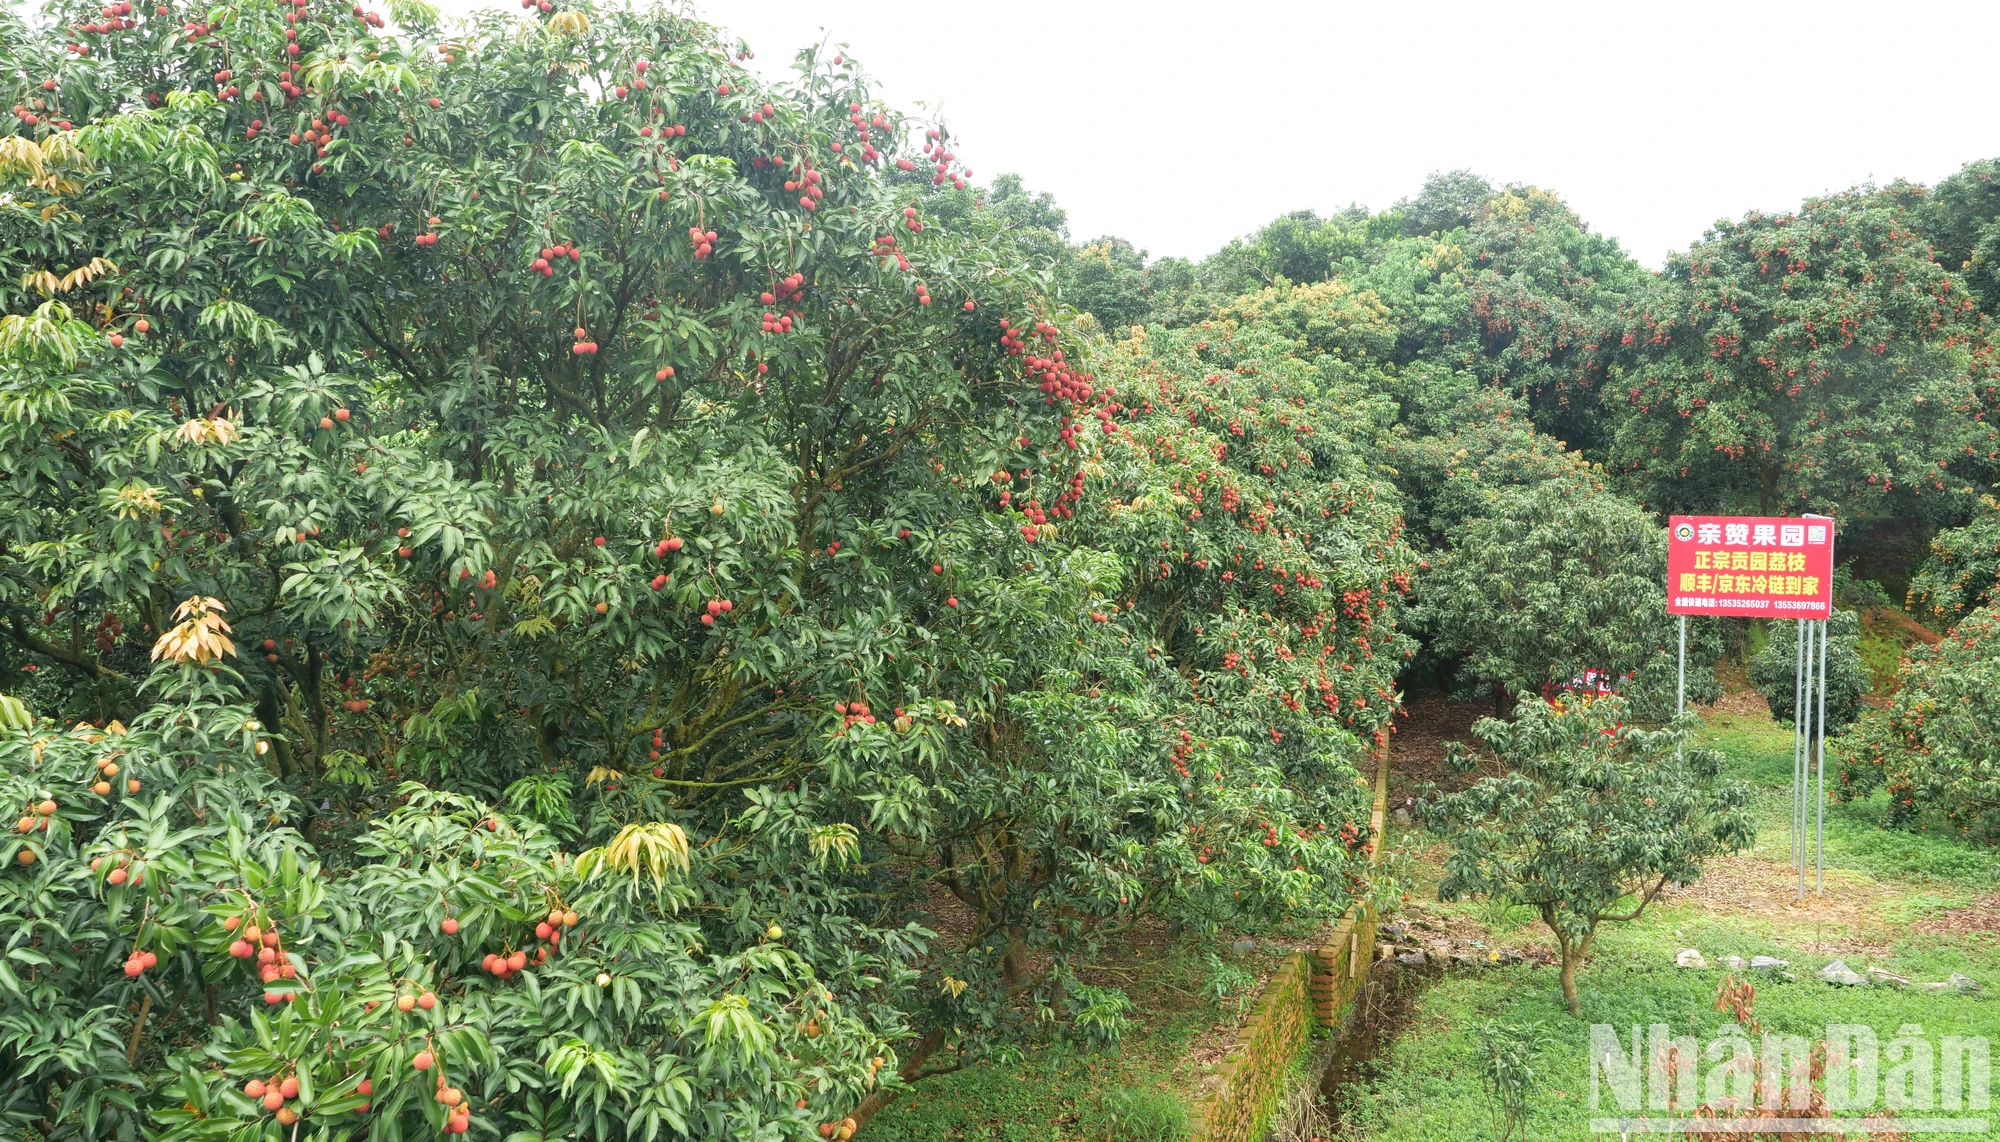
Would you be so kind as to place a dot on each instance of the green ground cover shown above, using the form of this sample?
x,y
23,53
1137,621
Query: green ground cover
x,y
1908,902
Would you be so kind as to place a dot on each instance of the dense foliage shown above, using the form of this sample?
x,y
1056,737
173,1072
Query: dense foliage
x,y
1557,583
1268,549
1963,223
641,601
1775,671
453,967
1964,564
1840,358
559,475
1589,822
1933,749
1812,361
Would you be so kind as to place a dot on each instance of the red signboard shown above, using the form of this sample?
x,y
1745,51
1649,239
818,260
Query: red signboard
x,y
1750,566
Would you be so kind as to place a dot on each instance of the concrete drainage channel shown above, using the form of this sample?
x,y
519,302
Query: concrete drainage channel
x,y
1379,1014
1279,1084
1323,1091
1270,1085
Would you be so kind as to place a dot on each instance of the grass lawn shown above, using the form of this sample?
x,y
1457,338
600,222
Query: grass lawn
x,y
1919,905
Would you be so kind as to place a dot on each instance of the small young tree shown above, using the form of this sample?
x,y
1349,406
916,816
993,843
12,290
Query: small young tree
x,y
1506,1055
1591,821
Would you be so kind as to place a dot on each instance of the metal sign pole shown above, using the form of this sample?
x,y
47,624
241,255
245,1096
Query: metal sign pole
x,y
1681,684
1819,761
1807,630
1819,832
1799,757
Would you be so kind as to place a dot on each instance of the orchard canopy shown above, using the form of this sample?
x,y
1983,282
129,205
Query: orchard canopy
x,y
541,571
553,585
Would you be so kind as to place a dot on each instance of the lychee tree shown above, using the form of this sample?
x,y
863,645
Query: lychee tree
x,y
1932,749
1818,360
1239,483
615,486
1959,575
559,447
1962,220
1542,288
1555,580
510,481
1477,444
1210,718
363,398
1228,662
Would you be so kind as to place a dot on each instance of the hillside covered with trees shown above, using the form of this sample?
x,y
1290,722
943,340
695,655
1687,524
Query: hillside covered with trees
x,y
552,587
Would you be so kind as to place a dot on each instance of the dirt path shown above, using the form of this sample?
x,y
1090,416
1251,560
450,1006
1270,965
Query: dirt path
x,y
1416,752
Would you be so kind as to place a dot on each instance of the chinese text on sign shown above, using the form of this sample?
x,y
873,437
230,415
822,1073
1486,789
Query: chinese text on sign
x,y
1750,566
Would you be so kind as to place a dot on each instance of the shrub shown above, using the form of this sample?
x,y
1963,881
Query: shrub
x,y
1933,748
1775,669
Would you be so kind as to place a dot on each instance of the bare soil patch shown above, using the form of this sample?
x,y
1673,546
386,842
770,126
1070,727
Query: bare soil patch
x,y
1738,696
1982,915
1851,908
1902,627
1416,756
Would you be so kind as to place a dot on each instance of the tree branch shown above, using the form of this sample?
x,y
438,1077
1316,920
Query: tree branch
x,y
75,660
395,351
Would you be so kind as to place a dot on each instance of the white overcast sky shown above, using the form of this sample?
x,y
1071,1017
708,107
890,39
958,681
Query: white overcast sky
x,y
1180,125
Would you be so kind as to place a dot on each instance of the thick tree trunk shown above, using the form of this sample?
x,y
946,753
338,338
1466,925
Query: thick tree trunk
x,y
1572,958
1014,963
1569,963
